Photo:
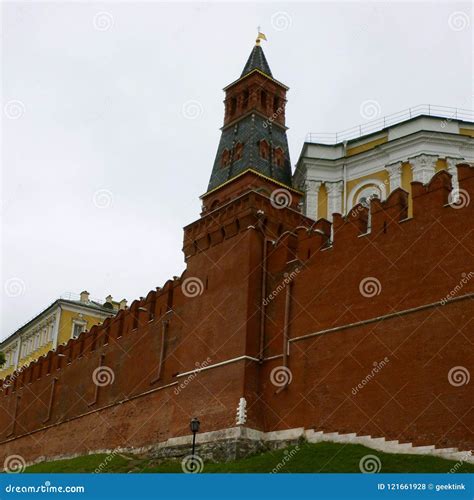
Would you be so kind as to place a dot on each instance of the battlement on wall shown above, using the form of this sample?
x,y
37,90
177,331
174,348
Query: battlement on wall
x,y
237,216
132,342
381,217
143,311
300,242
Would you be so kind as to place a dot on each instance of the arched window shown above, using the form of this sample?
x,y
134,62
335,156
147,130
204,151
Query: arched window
x,y
225,159
238,151
278,157
365,192
264,149
263,99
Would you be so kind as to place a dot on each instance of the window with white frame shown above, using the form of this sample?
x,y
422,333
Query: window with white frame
x,y
368,193
364,196
77,328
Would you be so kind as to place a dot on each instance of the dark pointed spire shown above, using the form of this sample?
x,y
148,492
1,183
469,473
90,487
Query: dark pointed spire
x,y
257,60
254,132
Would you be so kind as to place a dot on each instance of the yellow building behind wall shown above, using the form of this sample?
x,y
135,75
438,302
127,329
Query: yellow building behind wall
x,y
65,318
337,174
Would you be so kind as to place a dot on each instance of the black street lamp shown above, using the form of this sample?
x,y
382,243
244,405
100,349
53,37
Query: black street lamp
x,y
194,429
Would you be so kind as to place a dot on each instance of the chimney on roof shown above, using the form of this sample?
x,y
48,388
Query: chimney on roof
x,y
123,304
109,299
85,297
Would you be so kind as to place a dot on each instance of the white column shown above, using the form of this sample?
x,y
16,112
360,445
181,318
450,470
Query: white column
x,y
423,167
311,189
334,190
56,321
451,167
395,173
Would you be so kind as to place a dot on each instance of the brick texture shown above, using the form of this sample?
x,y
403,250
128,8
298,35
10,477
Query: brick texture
x,y
412,321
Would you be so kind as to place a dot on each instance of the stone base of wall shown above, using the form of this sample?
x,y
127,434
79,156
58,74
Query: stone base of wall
x,y
239,442
225,445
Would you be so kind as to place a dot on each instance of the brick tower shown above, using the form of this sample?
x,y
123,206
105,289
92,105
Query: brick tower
x,y
253,149
249,205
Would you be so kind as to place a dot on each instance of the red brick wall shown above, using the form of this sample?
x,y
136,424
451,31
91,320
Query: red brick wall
x,y
417,262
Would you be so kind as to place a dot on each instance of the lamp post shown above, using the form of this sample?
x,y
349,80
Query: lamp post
x,y
194,429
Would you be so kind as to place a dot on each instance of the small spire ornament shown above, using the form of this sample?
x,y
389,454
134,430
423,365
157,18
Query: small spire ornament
x,y
260,36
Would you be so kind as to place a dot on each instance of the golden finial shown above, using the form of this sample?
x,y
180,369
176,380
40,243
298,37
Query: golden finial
x,y
260,36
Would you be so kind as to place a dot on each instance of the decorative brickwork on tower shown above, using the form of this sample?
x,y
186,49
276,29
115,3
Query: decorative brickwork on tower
x,y
254,132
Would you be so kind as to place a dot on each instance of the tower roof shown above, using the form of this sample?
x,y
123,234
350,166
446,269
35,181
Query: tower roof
x,y
257,60
254,132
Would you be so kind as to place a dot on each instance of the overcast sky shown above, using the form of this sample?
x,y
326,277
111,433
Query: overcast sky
x,y
111,114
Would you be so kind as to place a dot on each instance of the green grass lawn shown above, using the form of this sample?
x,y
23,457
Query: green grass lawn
x,y
321,457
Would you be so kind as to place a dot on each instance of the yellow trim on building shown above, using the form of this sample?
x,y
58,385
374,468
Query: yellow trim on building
x,y
323,203
256,70
361,148
250,169
38,337
440,165
381,177
467,131
32,357
69,318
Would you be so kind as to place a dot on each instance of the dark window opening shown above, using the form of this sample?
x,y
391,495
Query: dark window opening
x,y
276,104
233,106
246,99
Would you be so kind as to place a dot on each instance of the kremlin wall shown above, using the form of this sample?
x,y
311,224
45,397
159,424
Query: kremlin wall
x,y
360,325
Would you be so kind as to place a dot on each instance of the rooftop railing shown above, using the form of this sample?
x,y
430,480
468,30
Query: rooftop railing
x,y
382,123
